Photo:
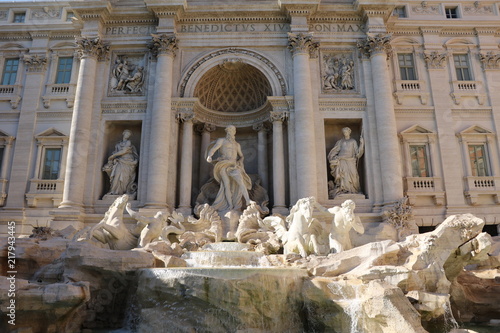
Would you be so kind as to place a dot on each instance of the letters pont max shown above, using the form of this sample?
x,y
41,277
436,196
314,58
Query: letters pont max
x,y
238,27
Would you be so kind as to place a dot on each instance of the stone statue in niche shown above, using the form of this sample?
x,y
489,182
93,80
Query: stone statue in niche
x,y
121,167
343,221
343,159
338,73
229,173
127,77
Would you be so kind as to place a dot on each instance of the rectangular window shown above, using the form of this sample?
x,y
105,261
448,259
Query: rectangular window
x,y
399,11
451,12
462,67
10,71
64,69
419,161
406,66
19,17
70,16
51,163
478,160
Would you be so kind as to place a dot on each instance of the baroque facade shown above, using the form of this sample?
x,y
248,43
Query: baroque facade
x,y
93,90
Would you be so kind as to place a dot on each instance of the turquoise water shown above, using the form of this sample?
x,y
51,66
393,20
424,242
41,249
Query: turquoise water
x,y
483,328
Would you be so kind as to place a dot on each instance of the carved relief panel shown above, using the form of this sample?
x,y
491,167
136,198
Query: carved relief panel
x,y
338,72
127,75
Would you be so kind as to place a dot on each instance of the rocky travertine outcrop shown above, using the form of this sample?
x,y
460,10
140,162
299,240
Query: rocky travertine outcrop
x,y
383,286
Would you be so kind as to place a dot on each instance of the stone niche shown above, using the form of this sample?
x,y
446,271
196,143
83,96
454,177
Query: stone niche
x,y
333,133
245,136
113,134
127,75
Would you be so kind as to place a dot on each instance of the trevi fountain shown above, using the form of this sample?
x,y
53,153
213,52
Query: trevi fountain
x,y
232,267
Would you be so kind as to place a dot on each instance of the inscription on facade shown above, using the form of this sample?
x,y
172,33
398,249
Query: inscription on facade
x,y
131,30
235,27
336,27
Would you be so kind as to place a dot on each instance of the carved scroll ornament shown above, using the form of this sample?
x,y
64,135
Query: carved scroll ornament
x,y
302,43
92,47
163,44
434,59
376,44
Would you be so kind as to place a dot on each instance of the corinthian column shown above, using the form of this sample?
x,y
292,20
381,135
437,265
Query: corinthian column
x,y
278,118
90,51
262,129
186,176
378,48
301,46
205,130
164,47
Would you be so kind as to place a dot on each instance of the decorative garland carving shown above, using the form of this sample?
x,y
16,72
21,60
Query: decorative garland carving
x,y
425,9
375,44
281,116
92,47
476,9
490,60
302,43
46,13
253,54
434,59
163,44
35,62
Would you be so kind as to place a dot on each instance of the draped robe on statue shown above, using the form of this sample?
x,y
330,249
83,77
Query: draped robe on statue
x,y
343,160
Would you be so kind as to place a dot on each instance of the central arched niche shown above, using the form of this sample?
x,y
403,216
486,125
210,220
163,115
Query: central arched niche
x,y
233,86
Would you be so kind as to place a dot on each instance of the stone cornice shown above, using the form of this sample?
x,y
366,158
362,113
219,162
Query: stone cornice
x,y
234,17
300,7
163,44
93,11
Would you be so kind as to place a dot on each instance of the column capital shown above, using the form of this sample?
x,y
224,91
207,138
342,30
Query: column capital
x,y
184,116
262,126
205,127
278,116
92,47
35,63
371,45
490,60
435,59
163,44
302,43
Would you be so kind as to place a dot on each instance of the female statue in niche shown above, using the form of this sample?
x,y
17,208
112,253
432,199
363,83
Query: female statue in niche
x,y
343,159
121,167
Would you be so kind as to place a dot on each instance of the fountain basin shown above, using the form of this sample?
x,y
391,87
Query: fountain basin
x,y
219,299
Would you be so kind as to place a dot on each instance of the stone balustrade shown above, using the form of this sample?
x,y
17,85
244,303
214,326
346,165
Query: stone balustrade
x,y
45,189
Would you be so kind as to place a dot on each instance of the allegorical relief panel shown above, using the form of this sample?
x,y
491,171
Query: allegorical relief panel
x,y
338,72
128,75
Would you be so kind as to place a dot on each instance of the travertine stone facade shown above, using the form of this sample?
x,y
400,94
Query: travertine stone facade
x,y
418,81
